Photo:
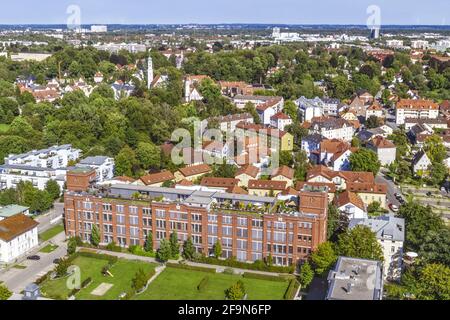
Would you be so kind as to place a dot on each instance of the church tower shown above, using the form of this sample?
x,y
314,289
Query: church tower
x,y
149,71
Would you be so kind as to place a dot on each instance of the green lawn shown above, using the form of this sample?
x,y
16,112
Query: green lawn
x,y
50,233
123,271
179,284
49,248
4,127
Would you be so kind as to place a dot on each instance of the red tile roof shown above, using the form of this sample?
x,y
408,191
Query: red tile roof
x,y
267,185
16,225
157,177
219,182
347,197
195,170
284,171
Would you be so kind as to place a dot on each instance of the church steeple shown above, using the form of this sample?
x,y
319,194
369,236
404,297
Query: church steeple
x,y
149,71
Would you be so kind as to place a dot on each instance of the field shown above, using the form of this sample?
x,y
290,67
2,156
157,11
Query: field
x,y
123,272
50,233
49,248
179,284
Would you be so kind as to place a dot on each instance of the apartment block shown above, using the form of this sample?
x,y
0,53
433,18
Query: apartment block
x,y
248,227
415,109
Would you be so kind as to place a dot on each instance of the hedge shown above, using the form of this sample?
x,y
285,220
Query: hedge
x,y
251,275
188,267
44,277
203,284
257,265
291,290
111,259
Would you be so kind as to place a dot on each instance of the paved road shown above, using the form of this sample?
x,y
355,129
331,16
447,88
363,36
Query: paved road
x,y
17,279
392,189
45,219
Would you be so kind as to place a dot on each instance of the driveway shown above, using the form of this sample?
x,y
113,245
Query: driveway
x,y
17,279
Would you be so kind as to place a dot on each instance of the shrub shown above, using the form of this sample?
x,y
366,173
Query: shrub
x,y
112,246
251,275
291,290
236,291
203,283
188,267
257,265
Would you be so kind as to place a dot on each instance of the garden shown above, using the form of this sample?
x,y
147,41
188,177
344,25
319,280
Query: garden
x,y
176,283
102,277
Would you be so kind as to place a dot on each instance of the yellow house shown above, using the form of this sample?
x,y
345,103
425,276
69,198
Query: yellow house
x,y
283,173
245,174
369,192
192,173
266,188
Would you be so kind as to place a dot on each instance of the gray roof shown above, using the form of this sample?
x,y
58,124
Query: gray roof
x,y
11,210
94,161
355,279
249,97
385,227
315,137
25,167
37,152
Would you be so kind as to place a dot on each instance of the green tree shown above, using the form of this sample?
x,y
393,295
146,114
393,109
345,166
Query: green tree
x,y
435,247
217,249
95,236
188,249
140,280
61,267
174,246
435,149
419,220
148,155
365,160
438,173
290,108
373,122
165,251
236,291
148,247
337,223
359,242
71,246
126,162
53,189
306,275
5,294
323,258
434,282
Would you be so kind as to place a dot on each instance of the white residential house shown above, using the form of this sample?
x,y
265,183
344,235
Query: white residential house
x,y
104,166
11,175
241,100
309,108
421,162
351,205
269,109
374,110
280,121
191,87
415,109
18,236
390,233
122,90
384,148
54,157
311,143
332,128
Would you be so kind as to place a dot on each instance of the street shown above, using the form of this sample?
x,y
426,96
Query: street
x,y
392,189
53,214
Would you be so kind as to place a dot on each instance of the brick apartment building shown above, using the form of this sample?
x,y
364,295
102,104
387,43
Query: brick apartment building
x,y
248,227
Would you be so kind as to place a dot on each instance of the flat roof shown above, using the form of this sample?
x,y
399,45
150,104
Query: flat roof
x,y
11,210
355,279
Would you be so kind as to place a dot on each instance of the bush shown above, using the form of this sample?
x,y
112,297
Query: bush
x,y
188,267
43,278
228,271
250,275
291,290
112,246
203,284
257,265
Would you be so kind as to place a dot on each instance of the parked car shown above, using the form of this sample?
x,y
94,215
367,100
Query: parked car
x,y
429,194
34,257
393,207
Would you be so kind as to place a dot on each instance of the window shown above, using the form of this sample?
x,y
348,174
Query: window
x,y
134,232
196,227
119,208
241,244
212,218
107,207
196,217
133,210
212,229
87,205
227,242
226,219
121,230
257,246
242,232
146,211
257,223
160,213
242,222
134,220
227,231
212,240
161,224
241,255
147,222
257,234
120,219
256,256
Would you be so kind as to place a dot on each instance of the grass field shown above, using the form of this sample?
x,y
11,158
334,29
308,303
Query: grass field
x,y
50,233
49,248
4,127
123,271
173,284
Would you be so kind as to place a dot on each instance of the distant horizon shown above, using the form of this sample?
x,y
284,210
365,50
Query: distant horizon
x,y
176,12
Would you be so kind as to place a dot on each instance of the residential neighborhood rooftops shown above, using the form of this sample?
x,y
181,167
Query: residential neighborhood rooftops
x,y
284,171
347,197
219,182
94,161
416,104
267,185
158,177
381,143
249,170
384,227
15,225
195,170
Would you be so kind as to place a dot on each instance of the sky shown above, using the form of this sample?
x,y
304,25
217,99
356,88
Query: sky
x,y
399,12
